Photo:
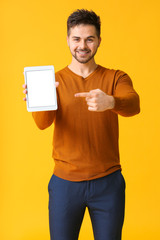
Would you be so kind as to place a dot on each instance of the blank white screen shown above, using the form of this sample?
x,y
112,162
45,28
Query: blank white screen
x,y
41,88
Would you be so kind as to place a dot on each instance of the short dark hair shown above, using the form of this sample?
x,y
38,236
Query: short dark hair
x,y
82,16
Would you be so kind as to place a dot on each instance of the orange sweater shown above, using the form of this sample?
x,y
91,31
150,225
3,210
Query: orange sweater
x,y
85,143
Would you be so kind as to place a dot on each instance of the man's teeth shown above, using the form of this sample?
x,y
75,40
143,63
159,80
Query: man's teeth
x,y
82,52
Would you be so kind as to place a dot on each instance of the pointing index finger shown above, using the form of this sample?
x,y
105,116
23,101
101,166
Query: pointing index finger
x,y
82,94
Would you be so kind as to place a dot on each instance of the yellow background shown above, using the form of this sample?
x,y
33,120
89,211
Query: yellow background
x,y
33,33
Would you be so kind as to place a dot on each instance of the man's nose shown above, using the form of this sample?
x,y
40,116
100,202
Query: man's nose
x,y
83,44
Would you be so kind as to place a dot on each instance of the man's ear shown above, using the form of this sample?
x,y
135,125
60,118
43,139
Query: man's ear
x,y
100,39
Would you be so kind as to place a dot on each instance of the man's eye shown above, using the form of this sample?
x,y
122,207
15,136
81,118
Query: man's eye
x,y
76,39
90,40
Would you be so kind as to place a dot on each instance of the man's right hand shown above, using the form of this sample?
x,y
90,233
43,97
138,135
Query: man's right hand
x,y
25,89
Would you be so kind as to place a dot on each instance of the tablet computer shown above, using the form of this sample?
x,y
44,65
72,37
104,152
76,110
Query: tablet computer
x,y
41,90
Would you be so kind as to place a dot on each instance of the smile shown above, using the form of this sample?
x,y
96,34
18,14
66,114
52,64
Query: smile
x,y
83,52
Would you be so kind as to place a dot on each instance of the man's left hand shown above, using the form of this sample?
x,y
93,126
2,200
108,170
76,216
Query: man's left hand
x,y
97,100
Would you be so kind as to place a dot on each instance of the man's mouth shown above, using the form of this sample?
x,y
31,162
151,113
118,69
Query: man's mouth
x,y
83,53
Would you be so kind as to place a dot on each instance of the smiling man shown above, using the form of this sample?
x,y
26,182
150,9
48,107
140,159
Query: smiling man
x,y
83,42
87,170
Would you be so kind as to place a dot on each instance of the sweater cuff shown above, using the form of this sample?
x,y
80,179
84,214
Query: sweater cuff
x,y
126,106
118,104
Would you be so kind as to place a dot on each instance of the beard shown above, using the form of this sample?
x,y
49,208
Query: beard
x,y
84,59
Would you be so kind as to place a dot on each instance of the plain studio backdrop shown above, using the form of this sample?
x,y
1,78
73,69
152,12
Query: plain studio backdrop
x,y
33,33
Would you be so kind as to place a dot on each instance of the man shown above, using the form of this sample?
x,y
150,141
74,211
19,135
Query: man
x,y
87,170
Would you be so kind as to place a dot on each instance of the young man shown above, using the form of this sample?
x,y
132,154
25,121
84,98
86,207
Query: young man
x,y
87,170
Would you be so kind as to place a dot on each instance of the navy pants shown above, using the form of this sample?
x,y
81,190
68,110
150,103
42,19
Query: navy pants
x,y
104,197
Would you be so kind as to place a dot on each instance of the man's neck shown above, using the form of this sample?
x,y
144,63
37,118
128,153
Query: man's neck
x,y
82,69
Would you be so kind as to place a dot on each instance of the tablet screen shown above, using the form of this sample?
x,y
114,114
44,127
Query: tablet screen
x,y
40,89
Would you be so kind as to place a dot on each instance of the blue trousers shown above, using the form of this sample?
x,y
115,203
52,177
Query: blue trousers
x,y
104,197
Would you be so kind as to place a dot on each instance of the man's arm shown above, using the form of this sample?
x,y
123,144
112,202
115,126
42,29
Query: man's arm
x,y
44,119
125,101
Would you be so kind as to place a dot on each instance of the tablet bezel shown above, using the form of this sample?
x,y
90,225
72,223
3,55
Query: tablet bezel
x,y
40,108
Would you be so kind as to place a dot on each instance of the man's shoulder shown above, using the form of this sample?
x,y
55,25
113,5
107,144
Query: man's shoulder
x,y
112,71
61,71
109,71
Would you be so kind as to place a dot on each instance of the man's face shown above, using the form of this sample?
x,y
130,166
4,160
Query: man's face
x,y
83,42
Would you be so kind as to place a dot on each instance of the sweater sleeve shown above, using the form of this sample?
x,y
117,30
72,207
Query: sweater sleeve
x,y
44,119
126,99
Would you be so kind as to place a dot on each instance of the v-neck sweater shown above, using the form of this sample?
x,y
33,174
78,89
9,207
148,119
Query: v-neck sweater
x,y
86,143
